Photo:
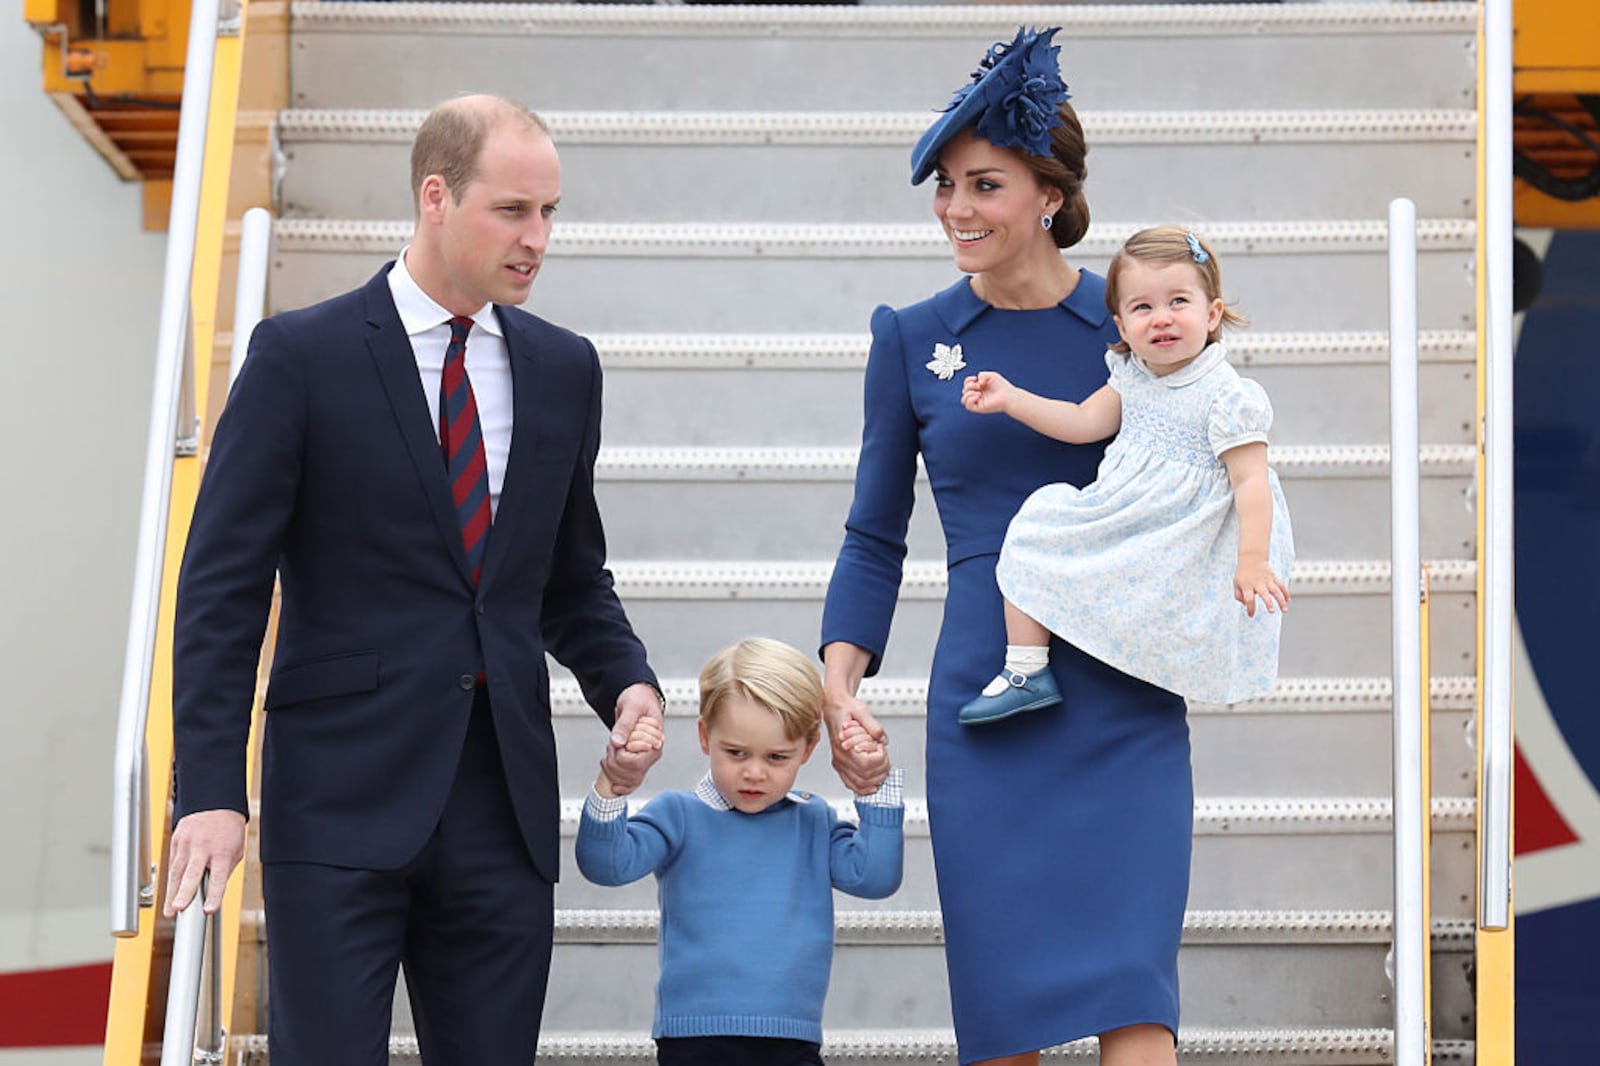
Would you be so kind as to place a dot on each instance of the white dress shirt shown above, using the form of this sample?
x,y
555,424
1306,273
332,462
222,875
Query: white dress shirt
x,y
488,366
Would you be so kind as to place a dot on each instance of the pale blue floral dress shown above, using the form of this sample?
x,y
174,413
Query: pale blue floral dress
x,y
1136,568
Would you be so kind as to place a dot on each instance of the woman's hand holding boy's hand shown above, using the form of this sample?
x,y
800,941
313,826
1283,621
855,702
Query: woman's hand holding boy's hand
x,y
1254,578
986,393
860,755
856,739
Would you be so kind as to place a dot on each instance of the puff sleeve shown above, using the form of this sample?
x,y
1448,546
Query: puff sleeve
x,y
1119,365
1240,415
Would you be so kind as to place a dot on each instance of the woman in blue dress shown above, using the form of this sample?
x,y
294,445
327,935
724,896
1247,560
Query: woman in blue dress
x,y
1061,838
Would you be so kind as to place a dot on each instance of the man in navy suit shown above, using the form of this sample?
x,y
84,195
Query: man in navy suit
x,y
409,802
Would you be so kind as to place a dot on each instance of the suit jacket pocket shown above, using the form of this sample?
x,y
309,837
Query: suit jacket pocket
x,y
320,679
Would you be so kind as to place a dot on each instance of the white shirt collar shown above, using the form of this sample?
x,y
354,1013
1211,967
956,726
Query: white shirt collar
x,y
1213,354
706,792
419,312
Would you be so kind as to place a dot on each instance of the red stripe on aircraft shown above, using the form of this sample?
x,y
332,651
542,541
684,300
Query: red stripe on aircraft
x,y
55,1008
1539,825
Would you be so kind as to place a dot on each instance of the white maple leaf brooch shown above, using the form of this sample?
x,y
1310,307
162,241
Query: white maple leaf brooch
x,y
946,361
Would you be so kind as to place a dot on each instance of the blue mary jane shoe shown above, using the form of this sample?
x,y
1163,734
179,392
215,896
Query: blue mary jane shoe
x,y
1024,693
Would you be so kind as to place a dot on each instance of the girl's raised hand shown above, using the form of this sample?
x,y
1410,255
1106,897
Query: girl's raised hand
x,y
1255,579
986,393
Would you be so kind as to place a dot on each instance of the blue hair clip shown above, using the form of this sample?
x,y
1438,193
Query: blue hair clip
x,y
1014,101
1195,248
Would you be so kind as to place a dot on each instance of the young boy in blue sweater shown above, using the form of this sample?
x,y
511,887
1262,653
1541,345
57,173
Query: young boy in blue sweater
x,y
745,866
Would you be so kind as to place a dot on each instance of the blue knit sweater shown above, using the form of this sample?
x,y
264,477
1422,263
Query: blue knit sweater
x,y
746,937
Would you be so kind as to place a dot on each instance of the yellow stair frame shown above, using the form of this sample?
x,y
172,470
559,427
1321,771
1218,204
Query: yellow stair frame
x,y
245,94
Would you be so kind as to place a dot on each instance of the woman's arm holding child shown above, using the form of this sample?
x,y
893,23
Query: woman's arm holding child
x,y
854,734
1095,419
1252,498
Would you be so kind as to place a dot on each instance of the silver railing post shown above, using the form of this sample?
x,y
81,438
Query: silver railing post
x,y
130,878
250,293
1411,1040
183,990
210,1036
1499,606
147,862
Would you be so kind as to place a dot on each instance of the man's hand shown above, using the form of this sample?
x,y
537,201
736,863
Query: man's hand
x,y
634,750
202,841
858,741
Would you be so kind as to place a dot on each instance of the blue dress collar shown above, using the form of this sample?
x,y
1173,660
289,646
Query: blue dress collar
x,y
958,306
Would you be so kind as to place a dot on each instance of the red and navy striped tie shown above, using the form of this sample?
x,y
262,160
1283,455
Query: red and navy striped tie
x,y
461,437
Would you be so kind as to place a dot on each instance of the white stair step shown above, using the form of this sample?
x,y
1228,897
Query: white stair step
x,y
664,389
1320,1046
888,240
1314,853
609,925
1318,737
924,927
676,463
717,502
619,165
925,579
1321,386
1217,816
911,57
1292,979
835,351
788,277
898,128
908,697
683,610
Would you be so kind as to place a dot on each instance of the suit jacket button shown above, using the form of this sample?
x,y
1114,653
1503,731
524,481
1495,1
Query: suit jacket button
x,y
468,682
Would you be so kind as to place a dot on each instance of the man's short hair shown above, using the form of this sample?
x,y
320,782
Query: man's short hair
x,y
450,141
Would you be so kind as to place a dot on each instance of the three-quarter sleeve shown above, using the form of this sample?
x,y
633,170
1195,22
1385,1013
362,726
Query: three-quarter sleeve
x,y
866,577
1240,415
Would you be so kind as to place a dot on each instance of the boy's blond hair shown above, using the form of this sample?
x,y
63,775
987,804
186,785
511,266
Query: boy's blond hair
x,y
771,674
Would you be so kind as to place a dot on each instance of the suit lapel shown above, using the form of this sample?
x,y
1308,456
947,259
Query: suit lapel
x,y
517,488
397,369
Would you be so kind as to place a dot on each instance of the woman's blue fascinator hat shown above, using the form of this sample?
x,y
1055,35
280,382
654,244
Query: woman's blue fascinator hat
x,y
1013,102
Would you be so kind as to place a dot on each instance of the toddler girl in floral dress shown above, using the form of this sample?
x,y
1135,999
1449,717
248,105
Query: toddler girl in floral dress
x,y
1156,567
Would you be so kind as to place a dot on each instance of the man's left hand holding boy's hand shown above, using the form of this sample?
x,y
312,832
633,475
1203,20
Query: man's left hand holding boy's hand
x,y
635,742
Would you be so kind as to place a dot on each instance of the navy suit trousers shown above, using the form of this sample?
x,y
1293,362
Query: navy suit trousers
x,y
469,918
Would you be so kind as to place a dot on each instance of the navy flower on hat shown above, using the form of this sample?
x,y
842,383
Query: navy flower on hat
x,y
1014,101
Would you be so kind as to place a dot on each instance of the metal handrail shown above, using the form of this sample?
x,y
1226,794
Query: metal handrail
x,y
250,291
196,961
1411,932
1499,606
133,877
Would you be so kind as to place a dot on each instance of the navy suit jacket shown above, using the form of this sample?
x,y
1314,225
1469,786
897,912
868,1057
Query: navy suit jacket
x,y
325,471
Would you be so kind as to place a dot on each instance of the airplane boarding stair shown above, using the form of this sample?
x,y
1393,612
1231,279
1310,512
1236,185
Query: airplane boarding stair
x,y
735,203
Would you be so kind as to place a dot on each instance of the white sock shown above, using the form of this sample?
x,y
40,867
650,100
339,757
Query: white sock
x,y
1025,659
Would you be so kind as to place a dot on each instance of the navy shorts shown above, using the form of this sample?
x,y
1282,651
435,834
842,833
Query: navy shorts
x,y
736,1051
